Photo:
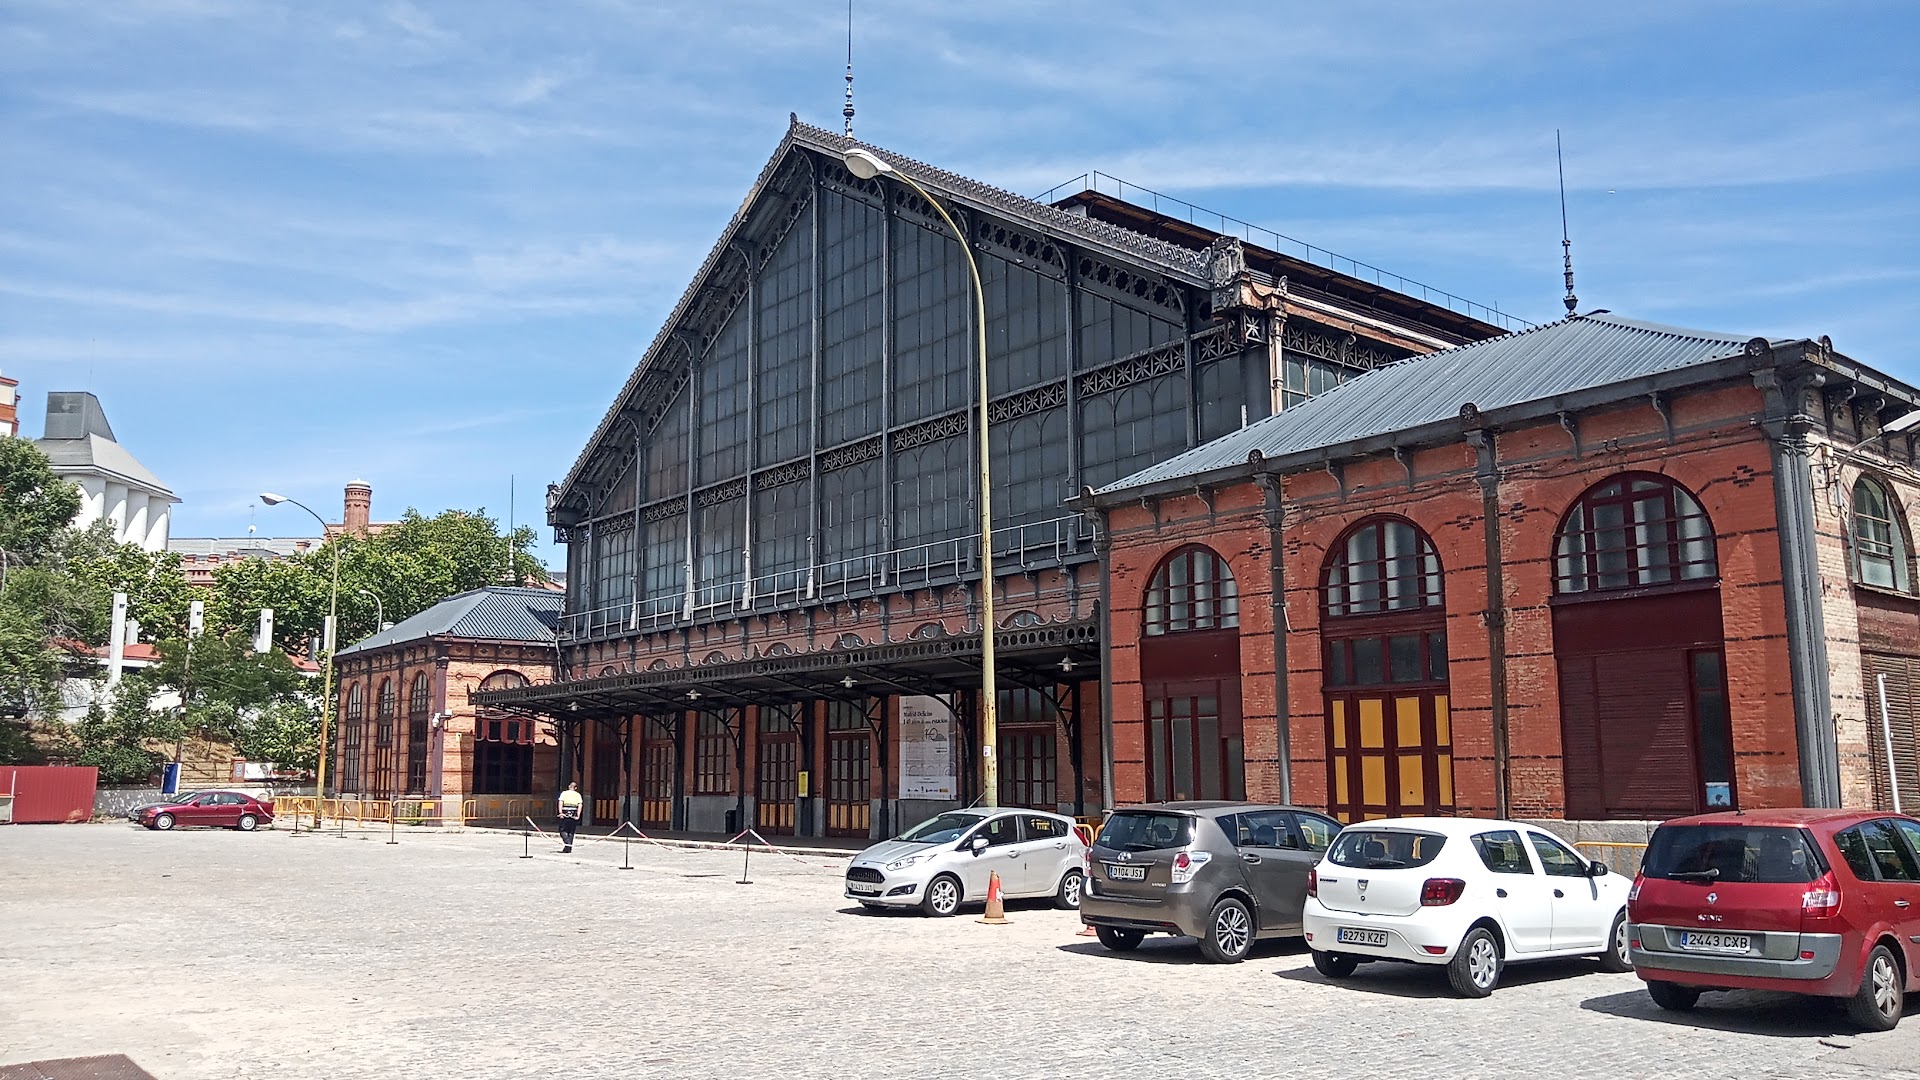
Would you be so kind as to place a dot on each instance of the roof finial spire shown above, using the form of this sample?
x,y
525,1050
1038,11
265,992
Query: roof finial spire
x,y
1566,245
847,109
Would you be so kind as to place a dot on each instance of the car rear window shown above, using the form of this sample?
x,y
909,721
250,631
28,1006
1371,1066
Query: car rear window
x,y
1751,854
1385,849
1145,831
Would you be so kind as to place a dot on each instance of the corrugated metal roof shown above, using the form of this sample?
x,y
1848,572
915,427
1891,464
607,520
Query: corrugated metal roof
x,y
494,613
1576,353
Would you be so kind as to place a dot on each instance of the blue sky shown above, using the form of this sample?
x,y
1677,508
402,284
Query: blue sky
x,y
289,244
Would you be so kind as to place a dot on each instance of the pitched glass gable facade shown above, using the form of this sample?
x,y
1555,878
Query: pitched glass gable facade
x,y
821,435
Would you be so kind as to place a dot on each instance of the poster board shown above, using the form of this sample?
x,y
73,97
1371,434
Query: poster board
x,y
926,749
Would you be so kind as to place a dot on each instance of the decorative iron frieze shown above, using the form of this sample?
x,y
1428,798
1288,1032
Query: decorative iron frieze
x,y
1027,402
1215,343
665,509
793,472
927,431
1309,339
1037,252
614,526
1130,285
1140,367
852,454
727,492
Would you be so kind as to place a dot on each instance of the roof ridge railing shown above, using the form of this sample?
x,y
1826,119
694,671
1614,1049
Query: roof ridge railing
x,y
1226,224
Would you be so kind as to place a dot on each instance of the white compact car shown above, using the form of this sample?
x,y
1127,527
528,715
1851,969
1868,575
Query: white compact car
x,y
943,862
1471,894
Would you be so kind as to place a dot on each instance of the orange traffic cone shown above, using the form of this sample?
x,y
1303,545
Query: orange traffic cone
x,y
996,908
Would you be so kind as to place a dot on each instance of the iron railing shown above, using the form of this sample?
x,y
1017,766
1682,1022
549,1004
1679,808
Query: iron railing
x,y
1174,207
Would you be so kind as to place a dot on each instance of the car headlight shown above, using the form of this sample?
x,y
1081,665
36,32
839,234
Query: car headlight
x,y
903,863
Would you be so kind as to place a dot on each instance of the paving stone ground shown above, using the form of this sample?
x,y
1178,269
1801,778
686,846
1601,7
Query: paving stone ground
x,y
216,954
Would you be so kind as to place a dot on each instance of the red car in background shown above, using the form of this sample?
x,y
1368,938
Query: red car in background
x,y
1818,902
217,809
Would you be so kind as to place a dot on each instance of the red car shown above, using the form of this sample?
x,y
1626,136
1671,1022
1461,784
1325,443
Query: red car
x,y
1818,902
220,809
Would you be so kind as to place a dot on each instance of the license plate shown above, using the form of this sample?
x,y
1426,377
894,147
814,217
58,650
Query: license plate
x,y
1126,873
863,890
1353,935
1717,942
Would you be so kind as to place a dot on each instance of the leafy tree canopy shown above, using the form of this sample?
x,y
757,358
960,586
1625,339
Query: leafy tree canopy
x,y
35,505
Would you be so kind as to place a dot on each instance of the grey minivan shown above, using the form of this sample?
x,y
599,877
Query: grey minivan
x,y
1228,873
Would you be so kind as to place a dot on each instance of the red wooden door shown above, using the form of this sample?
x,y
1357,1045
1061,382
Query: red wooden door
x,y
849,762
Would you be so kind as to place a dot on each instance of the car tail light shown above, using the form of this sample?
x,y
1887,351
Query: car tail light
x,y
1188,863
1435,950
1822,898
1441,891
1634,893
1313,881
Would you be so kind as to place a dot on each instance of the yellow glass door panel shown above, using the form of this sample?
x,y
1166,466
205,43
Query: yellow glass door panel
x,y
1339,713
1442,721
1413,791
1446,779
1373,780
1406,712
1372,723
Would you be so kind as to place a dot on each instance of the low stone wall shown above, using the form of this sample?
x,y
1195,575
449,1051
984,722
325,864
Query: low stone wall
x,y
114,802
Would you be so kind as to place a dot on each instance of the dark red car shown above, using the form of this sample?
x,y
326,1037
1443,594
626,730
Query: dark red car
x,y
218,809
1818,902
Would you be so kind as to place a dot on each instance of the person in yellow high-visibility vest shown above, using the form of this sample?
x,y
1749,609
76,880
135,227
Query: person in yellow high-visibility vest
x,y
570,803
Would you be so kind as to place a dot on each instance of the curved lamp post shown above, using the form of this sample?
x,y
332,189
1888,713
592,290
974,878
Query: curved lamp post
x,y
866,165
379,609
326,642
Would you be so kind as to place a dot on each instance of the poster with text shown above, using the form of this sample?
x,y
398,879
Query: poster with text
x,y
926,748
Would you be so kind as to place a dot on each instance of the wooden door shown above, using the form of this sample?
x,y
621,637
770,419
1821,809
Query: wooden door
x,y
849,762
656,783
1390,754
777,781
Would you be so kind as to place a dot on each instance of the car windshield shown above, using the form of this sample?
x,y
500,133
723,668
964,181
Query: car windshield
x,y
176,800
1750,854
1145,831
941,830
1385,849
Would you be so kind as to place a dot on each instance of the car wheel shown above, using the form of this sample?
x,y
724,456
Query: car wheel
x,y
163,822
1067,896
1617,957
1119,940
1882,995
943,896
1673,997
247,823
1229,936
1335,965
1475,970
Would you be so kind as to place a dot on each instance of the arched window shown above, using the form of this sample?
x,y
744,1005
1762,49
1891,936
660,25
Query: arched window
x,y
1382,564
418,704
1192,589
353,732
1879,542
1634,530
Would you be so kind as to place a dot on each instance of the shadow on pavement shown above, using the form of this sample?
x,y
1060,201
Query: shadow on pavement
x,y
973,909
1165,949
1430,980
1749,1012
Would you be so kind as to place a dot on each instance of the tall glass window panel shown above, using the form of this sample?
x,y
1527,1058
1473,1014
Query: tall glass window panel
x,y
853,289
931,487
780,541
614,556
724,442
1126,430
1226,402
785,356
932,357
1879,543
1026,326
1029,472
722,539
664,569
1110,330
850,511
665,451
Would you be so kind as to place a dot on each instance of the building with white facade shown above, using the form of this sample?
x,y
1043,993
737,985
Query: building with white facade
x,y
114,487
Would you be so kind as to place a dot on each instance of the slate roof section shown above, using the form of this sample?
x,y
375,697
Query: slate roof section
x,y
494,613
1577,353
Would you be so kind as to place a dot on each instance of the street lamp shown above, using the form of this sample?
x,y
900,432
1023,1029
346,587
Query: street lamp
x,y
326,642
379,609
866,165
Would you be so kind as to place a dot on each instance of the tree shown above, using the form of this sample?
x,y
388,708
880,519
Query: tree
x,y
35,504
118,739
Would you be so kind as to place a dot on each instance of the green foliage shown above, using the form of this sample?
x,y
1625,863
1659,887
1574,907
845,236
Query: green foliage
x,y
96,567
35,505
257,702
117,739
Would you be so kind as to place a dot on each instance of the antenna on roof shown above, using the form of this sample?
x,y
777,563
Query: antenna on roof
x,y
1566,245
847,109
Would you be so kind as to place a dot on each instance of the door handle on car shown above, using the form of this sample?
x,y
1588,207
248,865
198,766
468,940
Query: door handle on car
x,y
1559,895
1248,856
1901,903
1501,893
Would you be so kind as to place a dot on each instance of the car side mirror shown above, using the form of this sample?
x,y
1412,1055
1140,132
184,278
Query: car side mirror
x,y
1596,868
979,844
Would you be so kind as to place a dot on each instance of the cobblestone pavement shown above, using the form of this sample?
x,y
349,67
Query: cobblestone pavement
x,y
216,954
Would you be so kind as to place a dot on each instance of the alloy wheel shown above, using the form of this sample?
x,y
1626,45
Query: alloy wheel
x,y
1483,962
1231,930
944,897
1071,892
1886,979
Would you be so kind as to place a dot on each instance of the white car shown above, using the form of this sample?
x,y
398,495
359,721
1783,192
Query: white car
x,y
1471,894
944,862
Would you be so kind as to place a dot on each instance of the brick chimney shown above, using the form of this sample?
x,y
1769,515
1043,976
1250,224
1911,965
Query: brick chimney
x,y
358,509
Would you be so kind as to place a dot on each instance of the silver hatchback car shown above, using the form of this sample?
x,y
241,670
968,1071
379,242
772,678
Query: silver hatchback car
x,y
1227,873
945,861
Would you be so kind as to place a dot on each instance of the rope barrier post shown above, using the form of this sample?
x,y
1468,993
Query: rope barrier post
x,y
626,855
391,819
342,819
745,861
526,844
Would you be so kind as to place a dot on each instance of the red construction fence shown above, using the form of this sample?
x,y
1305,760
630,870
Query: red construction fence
x,y
41,794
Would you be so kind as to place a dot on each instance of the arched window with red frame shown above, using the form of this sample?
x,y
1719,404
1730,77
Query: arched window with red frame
x,y
502,744
353,735
1383,564
1192,589
419,709
1632,531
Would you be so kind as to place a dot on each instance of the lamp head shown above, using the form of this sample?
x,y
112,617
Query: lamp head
x,y
865,164
1902,423
271,499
